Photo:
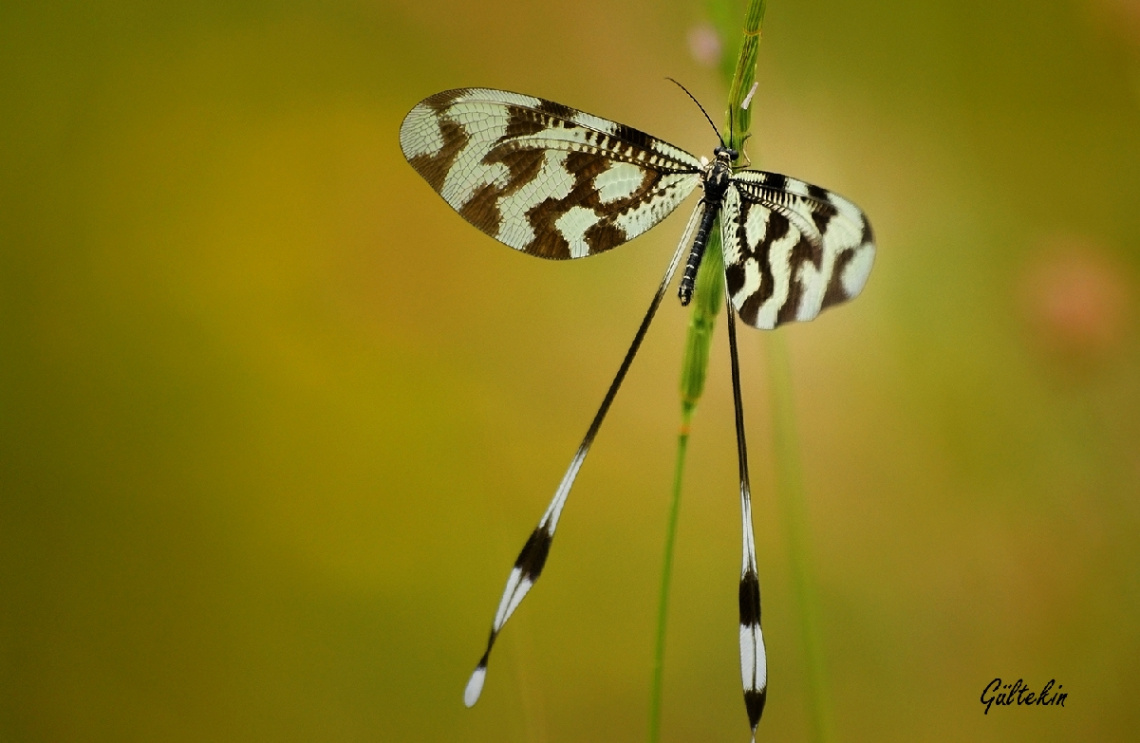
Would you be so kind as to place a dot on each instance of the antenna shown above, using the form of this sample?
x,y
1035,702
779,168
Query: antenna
x,y
706,113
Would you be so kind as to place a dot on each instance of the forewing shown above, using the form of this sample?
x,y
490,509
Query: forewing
x,y
791,249
541,177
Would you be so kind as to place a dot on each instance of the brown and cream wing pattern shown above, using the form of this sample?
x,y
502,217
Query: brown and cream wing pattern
x,y
791,249
542,177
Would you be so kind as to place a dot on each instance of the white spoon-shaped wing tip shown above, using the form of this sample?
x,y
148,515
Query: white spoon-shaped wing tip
x,y
474,686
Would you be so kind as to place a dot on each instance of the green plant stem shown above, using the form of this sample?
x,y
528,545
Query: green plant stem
x,y
789,481
666,576
707,301
709,288
793,504
740,118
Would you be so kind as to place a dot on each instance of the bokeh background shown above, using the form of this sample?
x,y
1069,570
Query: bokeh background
x,y
274,421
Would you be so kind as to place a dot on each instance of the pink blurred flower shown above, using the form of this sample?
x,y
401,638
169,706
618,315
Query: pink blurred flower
x,y
704,45
1075,298
1121,17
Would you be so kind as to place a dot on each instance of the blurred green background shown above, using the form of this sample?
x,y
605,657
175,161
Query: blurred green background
x,y
274,421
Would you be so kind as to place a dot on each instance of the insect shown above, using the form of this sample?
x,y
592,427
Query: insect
x,y
558,183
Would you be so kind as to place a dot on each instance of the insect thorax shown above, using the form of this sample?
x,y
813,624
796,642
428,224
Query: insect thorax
x,y
717,175
714,181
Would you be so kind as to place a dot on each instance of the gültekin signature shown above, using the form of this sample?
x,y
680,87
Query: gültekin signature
x,y
1018,693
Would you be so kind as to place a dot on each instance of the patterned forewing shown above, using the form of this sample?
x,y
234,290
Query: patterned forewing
x,y
541,177
791,249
